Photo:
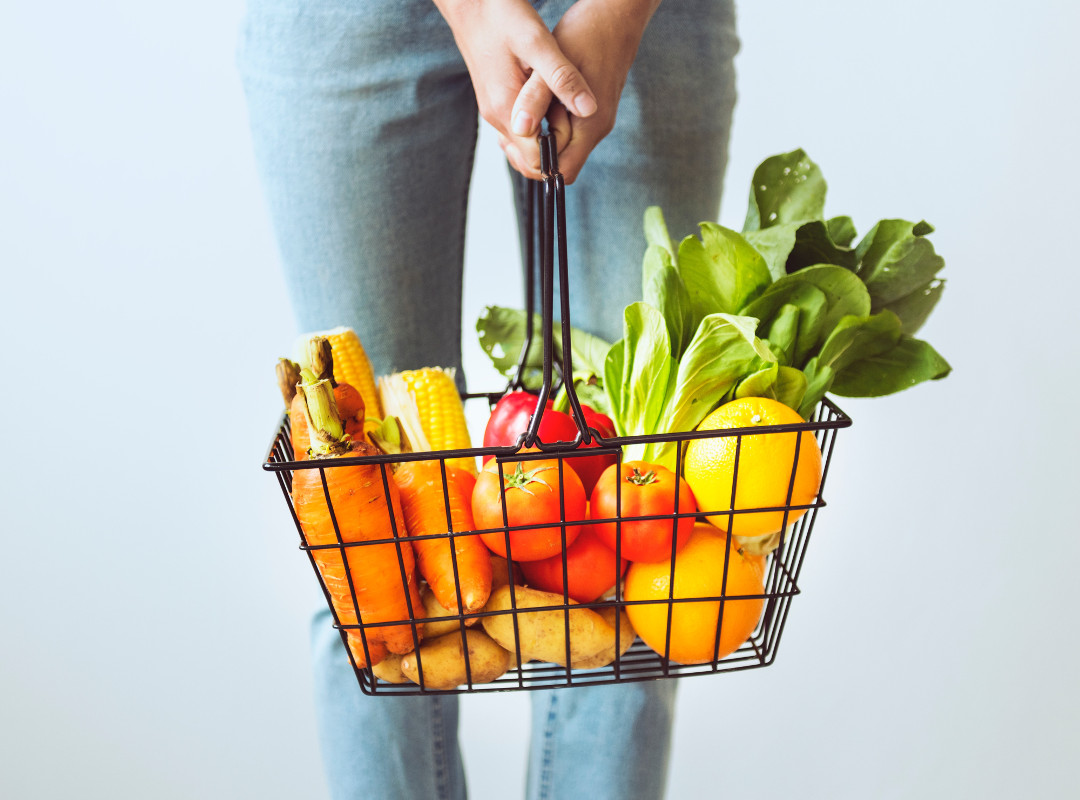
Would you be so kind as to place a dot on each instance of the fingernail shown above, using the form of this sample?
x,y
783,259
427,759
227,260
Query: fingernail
x,y
584,104
523,123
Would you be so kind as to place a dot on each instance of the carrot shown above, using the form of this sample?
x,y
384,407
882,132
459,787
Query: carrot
x,y
364,511
350,404
425,499
288,376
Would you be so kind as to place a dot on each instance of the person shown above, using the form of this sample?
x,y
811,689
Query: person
x,y
364,120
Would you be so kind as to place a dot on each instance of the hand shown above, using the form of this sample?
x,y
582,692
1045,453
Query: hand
x,y
506,45
601,37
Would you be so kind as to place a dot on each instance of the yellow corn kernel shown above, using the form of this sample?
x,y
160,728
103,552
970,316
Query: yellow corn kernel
x,y
428,398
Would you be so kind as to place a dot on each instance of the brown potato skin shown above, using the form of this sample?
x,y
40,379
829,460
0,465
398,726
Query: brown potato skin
x,y
626,638
439,620
542,634
389,669
443,660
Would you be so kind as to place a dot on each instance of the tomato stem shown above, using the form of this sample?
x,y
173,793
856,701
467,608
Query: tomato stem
x,y
642,479
520,479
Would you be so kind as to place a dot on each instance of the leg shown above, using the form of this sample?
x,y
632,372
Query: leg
x,y
394,748
668,148
364,124
601,742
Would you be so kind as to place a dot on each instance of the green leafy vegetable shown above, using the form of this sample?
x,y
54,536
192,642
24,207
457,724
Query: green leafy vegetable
x,y
786,385
841,231
907,363
786,188
790,308
663,288
899,267
639,371
775,245
502,336
656,231
814,245
871,357
774,310
724,349
722,272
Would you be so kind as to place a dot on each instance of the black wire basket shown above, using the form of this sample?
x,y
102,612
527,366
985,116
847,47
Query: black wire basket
x,y
631,659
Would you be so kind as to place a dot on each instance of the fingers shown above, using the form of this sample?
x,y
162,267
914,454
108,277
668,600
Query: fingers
x,y
523,152
563,79
576,138
530,107
558,120
553,79
519,140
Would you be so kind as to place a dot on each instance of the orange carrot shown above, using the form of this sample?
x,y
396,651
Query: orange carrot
x,y
288,376
370,572
424,499
350,403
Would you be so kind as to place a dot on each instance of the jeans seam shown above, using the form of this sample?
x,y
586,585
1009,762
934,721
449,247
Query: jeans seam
x,y
547,757
438,743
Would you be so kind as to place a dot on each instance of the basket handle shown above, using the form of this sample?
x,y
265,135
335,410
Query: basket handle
x,y
545,219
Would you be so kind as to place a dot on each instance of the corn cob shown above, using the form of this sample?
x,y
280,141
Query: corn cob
x,y
427,403
351,366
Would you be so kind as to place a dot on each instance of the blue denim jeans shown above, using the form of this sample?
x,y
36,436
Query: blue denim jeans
x,y
364,126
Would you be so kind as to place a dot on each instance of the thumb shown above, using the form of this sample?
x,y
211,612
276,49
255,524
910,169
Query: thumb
x,y
562,78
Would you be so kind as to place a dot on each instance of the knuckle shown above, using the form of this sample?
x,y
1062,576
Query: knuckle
x,y
564,78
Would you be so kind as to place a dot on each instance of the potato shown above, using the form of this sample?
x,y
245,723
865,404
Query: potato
x,y
443,660
438,620
626,638
389,670
543,633
441,620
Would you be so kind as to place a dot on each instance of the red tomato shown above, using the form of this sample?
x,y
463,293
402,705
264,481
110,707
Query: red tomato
x,y
532,497
510,419
645,490
590,569
590,468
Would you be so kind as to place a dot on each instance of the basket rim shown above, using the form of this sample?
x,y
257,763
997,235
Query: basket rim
x,y
837,419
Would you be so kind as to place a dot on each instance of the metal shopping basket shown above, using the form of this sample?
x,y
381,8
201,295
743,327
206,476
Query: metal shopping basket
x,y
545,210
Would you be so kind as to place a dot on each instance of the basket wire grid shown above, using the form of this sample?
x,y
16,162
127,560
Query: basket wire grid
x,y
639,662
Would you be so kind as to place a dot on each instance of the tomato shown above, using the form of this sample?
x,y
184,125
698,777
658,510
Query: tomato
x,y
590,569
644,490
510,418
532,497
590,468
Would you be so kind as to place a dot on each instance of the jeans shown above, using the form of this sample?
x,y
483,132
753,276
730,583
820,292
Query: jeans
x,y
364,125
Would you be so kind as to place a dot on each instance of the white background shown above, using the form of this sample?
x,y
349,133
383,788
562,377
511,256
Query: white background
x,y
153,604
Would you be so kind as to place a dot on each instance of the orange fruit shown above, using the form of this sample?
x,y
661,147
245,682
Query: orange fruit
x,y
699,572
764,469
